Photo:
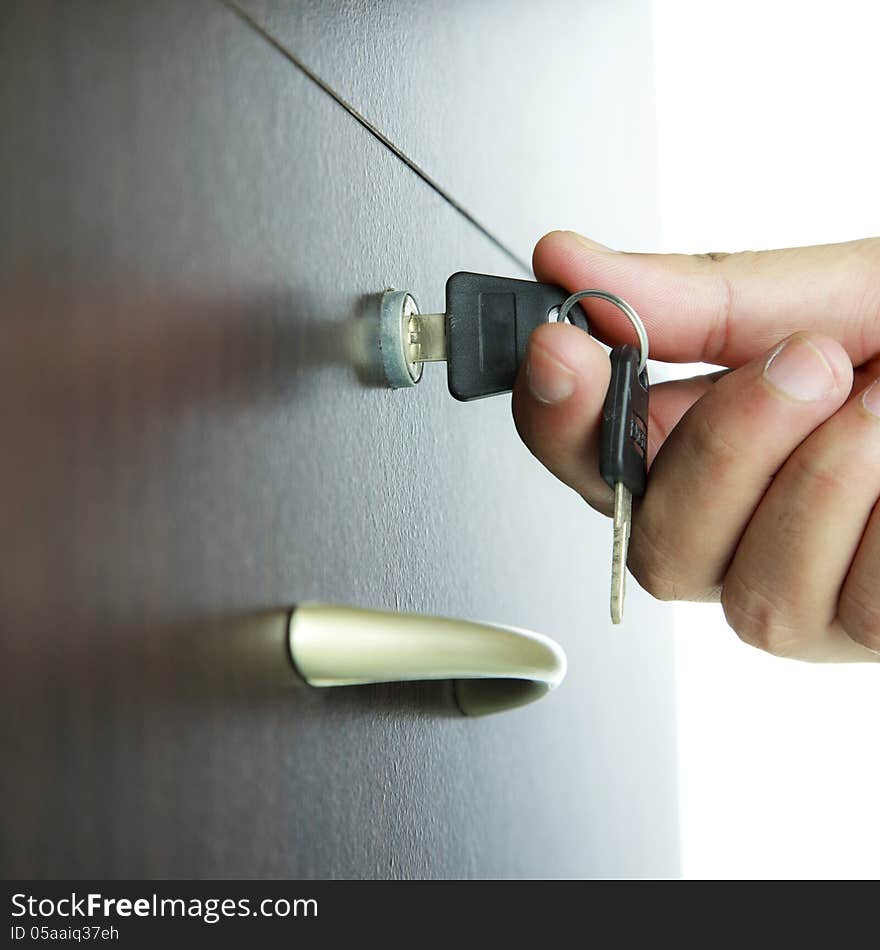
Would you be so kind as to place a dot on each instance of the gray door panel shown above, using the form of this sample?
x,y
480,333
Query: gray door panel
x,y
190,227
534,116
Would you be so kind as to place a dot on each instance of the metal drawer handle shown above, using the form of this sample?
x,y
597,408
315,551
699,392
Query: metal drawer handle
x,y
494,667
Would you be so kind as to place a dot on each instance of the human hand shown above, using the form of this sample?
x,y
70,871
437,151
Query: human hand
x,y
764,481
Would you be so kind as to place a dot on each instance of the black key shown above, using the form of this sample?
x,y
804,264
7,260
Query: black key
x,y
624,444
623,458
488,323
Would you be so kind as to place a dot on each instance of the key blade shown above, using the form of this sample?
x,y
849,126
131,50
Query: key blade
x,y
426,338
620,547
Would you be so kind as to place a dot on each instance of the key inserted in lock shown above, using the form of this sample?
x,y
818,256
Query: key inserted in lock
x,y
482,337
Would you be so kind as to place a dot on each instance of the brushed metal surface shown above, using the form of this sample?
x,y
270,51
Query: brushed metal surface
x,y
187,225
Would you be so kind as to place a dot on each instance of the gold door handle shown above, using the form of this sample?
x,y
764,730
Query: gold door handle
x,y
494,667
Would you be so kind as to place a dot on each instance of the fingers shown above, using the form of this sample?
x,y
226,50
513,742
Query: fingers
x,y
713,470
788,589
859,608
865,376
726,309
557,404
557,407
766,491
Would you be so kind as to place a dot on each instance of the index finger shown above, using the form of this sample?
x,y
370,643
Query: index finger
x,y
725,308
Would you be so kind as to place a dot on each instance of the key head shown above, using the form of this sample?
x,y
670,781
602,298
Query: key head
x,y
623,457
488,323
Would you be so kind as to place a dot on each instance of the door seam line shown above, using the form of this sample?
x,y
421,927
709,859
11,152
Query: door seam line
x,y
325,87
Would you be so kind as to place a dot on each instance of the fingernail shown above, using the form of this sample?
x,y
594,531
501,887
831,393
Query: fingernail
x,y
589,243
798,370
549,380
871,398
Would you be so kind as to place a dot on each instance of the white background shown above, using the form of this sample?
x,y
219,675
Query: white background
x,y
768,121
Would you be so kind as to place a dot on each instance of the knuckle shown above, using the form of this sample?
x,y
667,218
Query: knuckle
x,y
859,612
758,618
652,564
868,252
711,448
822,475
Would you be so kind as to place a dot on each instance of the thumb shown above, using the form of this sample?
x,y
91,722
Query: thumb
x,y
725,308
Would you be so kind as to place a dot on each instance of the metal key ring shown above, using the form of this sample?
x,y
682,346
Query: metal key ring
x,y
622,305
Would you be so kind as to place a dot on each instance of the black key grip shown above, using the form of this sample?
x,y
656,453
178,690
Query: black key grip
x,y
488,323
623,455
